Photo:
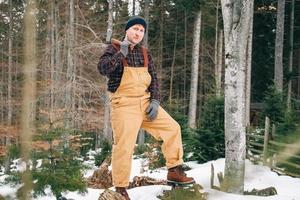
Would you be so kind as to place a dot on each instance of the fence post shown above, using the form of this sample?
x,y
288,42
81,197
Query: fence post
x,y
266,139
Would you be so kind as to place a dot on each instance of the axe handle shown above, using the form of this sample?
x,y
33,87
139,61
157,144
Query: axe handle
x,y
115,41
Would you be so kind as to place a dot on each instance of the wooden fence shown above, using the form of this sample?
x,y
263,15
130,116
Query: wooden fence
x,y
266,150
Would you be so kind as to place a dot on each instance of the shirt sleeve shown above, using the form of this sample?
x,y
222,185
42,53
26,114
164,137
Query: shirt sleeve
x,y
110,61
154,86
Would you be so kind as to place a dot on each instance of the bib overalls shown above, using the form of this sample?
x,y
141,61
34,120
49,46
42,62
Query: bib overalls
x,y
128,114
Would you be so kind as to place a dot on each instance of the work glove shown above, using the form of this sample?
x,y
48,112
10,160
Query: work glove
x,y
124,47
152,109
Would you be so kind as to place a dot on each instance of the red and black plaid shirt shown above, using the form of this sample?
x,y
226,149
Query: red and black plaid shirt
x,y
110,65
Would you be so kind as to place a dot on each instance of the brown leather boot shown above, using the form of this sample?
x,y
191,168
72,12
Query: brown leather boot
x,y
123,192
177,175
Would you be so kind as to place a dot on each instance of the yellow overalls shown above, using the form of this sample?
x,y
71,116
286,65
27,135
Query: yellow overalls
x,y
128,114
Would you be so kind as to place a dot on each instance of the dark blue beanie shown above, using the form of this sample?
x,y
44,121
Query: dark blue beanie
x,y
136,20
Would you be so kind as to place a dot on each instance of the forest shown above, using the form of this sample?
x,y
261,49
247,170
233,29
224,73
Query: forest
x,y
228,72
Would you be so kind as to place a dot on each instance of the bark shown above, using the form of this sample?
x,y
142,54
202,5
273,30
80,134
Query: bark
x,y
29,91
248,70
289,93
133,7
185,59
141,136
172,68
9,85
219,64
52,59
237,18
102,177
278,71
194,73
110,195
161,45
58,60
298,74
145,41
107,131
216,50
139,181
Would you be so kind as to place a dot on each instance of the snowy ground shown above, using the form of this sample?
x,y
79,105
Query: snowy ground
x,y
257,177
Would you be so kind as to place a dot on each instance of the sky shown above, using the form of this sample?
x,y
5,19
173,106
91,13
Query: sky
x,y
256,176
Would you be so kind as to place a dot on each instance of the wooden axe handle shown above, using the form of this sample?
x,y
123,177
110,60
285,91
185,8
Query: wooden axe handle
x,y
115,41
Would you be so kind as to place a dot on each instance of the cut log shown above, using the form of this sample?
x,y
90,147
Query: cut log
x,y
102,177
144,180
110,195
264,192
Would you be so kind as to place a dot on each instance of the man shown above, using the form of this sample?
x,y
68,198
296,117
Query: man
x,y
135,104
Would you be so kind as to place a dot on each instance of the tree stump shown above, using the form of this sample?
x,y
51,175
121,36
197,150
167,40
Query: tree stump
x,y
110,195
102,177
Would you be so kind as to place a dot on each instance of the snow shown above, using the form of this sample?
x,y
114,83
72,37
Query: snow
x,y
256,176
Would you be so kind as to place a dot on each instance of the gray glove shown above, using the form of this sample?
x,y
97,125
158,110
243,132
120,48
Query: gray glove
x,y
152,109
124,47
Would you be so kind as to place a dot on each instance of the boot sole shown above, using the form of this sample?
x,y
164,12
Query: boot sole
x,y
180,184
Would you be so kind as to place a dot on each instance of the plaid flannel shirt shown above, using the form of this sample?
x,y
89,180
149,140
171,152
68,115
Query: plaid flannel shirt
x,y
110,65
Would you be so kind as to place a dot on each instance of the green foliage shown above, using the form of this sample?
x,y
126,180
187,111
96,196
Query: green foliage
x,y
104,152
139,150
61,174
58,167
189,193
206,142
274,105
14,151
209,137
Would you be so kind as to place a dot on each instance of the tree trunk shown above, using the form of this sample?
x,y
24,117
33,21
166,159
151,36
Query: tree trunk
x,y
291,52
172,68
194,73
278,71
185,61
237,18
58,60
248,70
201,81
298,74
69,98
141,135
107,131
52,60
219,64
9,85
218,89
161,46
29,91
133,7
145,41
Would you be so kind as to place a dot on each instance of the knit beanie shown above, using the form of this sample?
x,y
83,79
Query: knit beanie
x,y
136,20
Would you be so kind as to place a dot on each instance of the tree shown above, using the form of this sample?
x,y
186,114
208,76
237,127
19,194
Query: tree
x,y
291,52
278,71
237,18
194,72
107,132
29,96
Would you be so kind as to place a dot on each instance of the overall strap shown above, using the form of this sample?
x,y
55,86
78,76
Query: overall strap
x,y
145,54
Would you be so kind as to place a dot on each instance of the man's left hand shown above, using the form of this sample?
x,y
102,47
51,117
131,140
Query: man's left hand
x,y
152,110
